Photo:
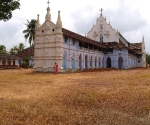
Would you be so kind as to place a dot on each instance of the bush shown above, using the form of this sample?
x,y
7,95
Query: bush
x,y
24,65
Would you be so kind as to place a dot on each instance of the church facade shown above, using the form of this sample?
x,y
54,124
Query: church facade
x,y
102,47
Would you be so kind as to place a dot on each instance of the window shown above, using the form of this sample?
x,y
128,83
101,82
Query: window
x,y
73,41
120,50
65,39
139,61
101,26
101,38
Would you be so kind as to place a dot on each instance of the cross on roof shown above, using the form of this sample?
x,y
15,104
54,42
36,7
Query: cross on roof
x,y
101,10
48,3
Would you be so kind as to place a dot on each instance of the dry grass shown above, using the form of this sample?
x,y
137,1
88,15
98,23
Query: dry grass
x,y
88,98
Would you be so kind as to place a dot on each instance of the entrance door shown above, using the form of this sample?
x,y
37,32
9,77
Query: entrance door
x,y
9,62
14,63
108,62
73,64
4,62
86,61
80,62
120,63
64,64
95,62
91,62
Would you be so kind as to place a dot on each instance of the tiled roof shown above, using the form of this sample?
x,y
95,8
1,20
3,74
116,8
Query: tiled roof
x,y
82,38
136,47
26,53
8,56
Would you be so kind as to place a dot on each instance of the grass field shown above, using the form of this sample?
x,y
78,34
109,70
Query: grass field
x,y
86,98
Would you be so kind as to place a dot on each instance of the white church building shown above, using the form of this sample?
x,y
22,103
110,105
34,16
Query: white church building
x,y
102,47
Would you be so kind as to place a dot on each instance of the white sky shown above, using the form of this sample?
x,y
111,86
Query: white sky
x,y
130,17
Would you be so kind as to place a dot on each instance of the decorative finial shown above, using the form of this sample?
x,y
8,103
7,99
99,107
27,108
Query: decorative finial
x,y
48,3
143,39
97,19
38,22
101,11
59,23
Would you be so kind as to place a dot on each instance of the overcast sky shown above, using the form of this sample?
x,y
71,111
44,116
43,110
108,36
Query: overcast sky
x,y
130,17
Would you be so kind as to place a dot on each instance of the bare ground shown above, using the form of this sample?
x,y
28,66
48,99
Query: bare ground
x,y
109,97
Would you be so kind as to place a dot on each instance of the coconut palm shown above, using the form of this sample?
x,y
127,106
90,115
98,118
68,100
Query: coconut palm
x,y
2,49
21,46
14,50
30,31
11,51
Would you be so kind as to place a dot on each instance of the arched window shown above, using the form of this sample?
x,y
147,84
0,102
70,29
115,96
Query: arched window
x,y
101,38
101,26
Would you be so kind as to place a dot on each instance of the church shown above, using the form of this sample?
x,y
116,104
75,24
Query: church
x,y
101,47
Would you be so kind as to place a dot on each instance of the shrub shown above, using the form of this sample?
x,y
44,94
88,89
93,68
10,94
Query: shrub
x,y
24,64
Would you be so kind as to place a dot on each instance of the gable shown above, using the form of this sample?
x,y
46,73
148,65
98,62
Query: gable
x,y
103,31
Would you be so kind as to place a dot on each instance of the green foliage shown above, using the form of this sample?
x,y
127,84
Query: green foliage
x,y
14,50
24,64
11,51
2,49
30,31
147,58
6,8
21,47
17,48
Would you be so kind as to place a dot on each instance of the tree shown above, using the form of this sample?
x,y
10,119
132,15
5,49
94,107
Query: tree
x,y
30,31
6,8
147,58
21,47
11,51
2,49
16,50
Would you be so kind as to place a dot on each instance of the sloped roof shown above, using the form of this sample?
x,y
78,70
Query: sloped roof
x,y
136,47
8,56
26,53
115,44
82,38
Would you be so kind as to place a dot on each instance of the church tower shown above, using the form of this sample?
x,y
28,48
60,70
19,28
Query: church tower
x,y
48,44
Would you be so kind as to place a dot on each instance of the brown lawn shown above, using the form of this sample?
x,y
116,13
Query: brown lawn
x,y
88,98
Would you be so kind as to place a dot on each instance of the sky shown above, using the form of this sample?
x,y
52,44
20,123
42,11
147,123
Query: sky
x,y
130,17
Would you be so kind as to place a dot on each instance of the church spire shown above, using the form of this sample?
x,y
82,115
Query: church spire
x,y
48,15
38,22
59,23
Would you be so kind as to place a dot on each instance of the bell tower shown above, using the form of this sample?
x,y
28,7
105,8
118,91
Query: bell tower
x,y
48,44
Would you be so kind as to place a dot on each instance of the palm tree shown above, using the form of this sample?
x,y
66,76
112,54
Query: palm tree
x,y
11,51
30,31
14,50
2,49
21,47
